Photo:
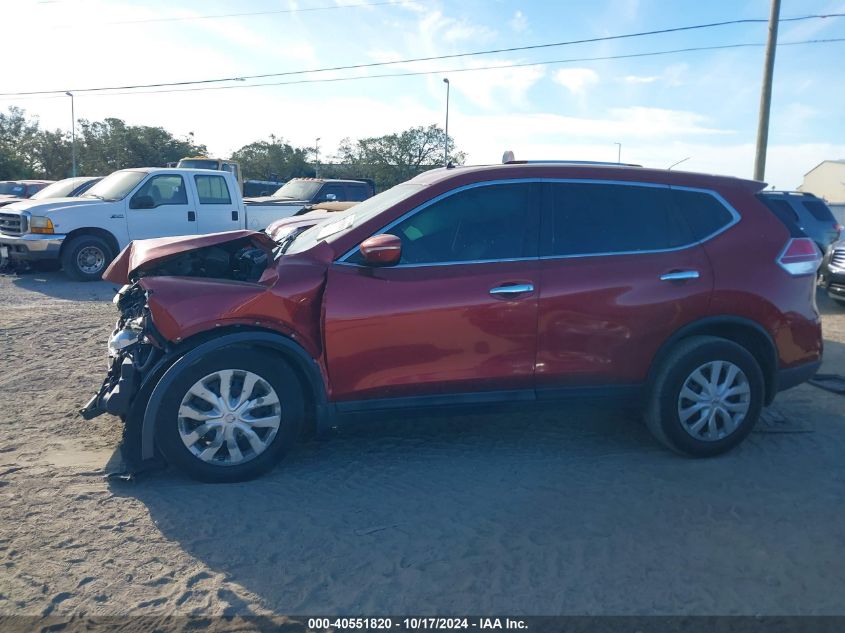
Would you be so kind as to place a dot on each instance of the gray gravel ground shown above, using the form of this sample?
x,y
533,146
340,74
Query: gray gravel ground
x,y
575,511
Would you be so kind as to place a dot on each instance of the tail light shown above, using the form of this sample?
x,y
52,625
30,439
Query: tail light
x,y
800,256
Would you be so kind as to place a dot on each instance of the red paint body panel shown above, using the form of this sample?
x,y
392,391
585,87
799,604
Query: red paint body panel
x,y
416,331
603,319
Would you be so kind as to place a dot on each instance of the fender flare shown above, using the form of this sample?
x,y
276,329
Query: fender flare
x,y
702,326
297,355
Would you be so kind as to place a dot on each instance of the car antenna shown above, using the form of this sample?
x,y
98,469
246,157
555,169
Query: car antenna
x,y
683,160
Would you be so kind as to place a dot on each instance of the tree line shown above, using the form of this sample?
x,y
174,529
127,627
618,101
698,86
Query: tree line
x,y
28,151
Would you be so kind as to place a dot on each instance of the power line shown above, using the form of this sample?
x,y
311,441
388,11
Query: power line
x,y
214,16
459,70
511,49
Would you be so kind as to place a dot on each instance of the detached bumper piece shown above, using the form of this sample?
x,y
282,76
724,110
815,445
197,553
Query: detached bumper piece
x,y
116,392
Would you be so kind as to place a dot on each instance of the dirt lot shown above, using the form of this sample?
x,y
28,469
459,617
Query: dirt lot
x,y
570,512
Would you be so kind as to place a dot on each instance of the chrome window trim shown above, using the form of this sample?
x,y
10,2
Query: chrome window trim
x,y
735,218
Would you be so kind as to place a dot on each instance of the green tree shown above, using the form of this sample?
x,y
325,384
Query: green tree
x,y
274,158
53,154
18,136
395,158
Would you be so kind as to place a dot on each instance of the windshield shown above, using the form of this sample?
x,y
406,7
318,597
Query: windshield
x,y
60,189
297,190
199,163
11,189
343,222
116,186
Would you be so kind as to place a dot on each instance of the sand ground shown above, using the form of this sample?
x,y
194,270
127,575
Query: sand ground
x,y
574,511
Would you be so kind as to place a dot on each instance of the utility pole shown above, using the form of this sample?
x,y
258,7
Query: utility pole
x,y
72,134
317,158
446,143
618,152
766,94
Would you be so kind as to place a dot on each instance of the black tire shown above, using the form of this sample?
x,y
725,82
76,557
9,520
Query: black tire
x,y
74,252
270,368
662,415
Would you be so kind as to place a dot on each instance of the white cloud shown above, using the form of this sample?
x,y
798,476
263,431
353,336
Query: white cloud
x,y
576,80
519,22
640,79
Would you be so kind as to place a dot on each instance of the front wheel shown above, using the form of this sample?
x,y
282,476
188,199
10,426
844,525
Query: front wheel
x,y
230,416
706,397
85,257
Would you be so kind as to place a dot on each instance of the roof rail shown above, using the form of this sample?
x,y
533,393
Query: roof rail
x,y
568,162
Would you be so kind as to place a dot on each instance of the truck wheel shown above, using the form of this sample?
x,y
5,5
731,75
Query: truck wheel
x,y
706,398
230,416
85,257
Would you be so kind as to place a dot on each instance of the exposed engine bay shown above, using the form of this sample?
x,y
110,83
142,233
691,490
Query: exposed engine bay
x,y
239,260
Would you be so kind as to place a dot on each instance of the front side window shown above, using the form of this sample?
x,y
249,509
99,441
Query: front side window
x,y
598,218
212,190
484,223
334,190
167,189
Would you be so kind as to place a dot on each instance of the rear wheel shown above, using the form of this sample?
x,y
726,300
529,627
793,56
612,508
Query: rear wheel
x,y
706,398
85,257
230,416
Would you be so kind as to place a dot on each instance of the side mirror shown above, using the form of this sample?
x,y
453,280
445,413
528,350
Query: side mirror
x,y
381,250
329,197
142,202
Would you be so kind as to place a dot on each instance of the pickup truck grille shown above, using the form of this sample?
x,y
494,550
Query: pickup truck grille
x,y
838,258
12,224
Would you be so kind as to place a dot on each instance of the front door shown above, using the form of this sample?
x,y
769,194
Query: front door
x,y
161,207
457,314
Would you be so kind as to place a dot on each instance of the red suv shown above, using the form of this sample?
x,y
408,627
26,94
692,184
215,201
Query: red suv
x,y
520,282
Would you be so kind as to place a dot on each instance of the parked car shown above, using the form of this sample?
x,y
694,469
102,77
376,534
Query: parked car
x,y
809,213
260,188
67,188
466,286
298,193
85,233
215,164
832,272
16,190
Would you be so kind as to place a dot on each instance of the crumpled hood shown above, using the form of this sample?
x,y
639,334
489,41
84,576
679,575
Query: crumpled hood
x,y
49,205
143,253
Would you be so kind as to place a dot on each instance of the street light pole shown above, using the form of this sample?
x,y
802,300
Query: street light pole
x,y
618,152
317,158
766,94
72,134
446,143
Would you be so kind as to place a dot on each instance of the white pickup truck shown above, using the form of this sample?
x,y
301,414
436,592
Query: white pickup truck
x,y
84,234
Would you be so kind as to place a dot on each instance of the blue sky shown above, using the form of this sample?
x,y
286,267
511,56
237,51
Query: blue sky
x,y
662,109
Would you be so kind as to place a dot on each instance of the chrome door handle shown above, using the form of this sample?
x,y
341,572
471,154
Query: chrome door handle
x,y
680,275
512,290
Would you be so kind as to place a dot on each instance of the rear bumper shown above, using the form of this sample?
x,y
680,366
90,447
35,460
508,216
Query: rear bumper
x,y
32,247
793,376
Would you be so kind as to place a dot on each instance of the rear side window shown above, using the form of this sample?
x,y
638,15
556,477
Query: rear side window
x,y
592,218
212,190
482,223
357,193
703,212
818,210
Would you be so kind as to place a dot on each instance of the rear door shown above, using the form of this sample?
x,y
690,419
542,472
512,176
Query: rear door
x,y
217,209
458,314
161,207
620,271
